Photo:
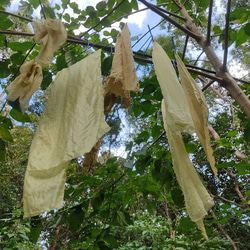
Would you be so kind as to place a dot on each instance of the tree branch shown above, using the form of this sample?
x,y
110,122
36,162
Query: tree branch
x,y
224,68
237,153
185,47
223,230
209,21
160,13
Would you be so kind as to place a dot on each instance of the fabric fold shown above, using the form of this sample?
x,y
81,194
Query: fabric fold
x,y
123,78
50,35
177,119
71,124
25,85
176,102
198,109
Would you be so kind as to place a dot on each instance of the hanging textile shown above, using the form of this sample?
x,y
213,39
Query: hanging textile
x,y
123,78
71,124
198,109
50,35
177,119
24,86
176,101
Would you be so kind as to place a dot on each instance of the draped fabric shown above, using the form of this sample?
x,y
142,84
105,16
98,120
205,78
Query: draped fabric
x,y
71,124
198,109
25,85
122,78
50,35
176,102
177,119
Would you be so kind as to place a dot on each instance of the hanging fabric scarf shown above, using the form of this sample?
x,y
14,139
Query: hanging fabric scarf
x,y
50,35
198,109
177,119
122,78
71,124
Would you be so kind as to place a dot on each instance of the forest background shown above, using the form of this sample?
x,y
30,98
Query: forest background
x,y
124,193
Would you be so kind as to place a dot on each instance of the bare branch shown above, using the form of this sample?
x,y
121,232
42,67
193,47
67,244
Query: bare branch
x,y
185,47
223,230
226,36
209,21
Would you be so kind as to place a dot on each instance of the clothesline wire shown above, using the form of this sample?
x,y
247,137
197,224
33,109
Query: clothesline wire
x,y
42,9
64,9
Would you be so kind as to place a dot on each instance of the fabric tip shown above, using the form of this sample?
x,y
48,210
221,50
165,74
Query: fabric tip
x,y
201,226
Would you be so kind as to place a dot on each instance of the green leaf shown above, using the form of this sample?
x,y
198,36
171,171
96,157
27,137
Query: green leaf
x,y
18,46
247,193
111,240
243,168
121,218
247,29
17,58
241,37
247,134
47,79
177,197
66,17
5,133
2,150
35,233
111,3
4,69
225,164
134,5
151,206
155,131
137,109
49,12
190,147
106,33
5,22
18,116
76,219
3,41
232,133
34,3
25,8
101,6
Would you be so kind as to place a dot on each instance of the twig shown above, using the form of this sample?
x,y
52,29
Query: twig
x,y
209,21
64,9
156,140
42,9
185,47
208,85
223,230
12,14
226,36
160,13
198,57
170,13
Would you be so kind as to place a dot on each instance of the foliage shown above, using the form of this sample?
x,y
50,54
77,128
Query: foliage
x,y
133,202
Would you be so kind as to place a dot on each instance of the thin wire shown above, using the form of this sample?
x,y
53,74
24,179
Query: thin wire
x,y
150,33
147,33
64,9
42,9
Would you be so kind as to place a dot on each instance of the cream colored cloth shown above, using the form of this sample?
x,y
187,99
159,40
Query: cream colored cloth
x,y
176,101
71,124
177,119
25,84
123,78
50,35
198,109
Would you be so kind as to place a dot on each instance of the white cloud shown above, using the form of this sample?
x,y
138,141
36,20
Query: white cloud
x,y
137,18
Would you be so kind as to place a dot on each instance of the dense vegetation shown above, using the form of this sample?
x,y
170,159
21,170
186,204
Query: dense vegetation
x,y
132,200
